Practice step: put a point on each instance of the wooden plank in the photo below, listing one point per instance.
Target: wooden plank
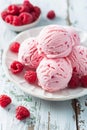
(82, 113)
(55, 116)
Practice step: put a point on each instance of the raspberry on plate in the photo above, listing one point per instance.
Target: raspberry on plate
(4, 14)
(4, 100)
(23, 8)
(16, 21)
(51, 14)
(9, 19)
(30, 76)
(16, 67)
(26, 18)
(13, 10)
(84, 81)
(22, 112)
(74, 82)
(14, 47)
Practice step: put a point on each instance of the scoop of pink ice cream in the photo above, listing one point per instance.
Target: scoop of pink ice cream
(28, 54)
(78, 59)
(74, 35)
(54, 74)
(54, 41)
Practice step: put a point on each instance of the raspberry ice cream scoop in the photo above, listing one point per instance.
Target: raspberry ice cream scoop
(28, 54)
(74, 35)
(54, 74)
(78, 59)
(54, 41)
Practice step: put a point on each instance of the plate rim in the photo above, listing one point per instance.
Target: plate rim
(83, 93)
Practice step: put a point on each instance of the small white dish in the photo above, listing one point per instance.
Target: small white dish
(36, 91)
(23, 27)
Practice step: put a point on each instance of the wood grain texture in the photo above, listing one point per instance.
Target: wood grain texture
(82, 112)
(55, 115)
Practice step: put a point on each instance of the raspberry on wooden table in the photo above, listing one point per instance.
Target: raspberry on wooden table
(84, 81)
(22, 113)
(16, 67)
(30, 76)
(14, 47)
(51, 14)
(4, 100)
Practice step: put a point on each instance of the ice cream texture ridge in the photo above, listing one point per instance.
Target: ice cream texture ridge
(55, 54)
(28, 53)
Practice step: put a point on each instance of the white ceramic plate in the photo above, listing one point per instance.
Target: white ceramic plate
(62, 95)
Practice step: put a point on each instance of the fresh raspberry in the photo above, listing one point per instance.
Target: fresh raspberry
(84, 81)
(37, 10)
(51, 14)
(36, 13)
(22, 112)
(23, 8)
(4, 14)
(16, 21)
(74, 82)
(13, 10)
(4, 100)
(16, 67)
(30, 76)
(29, 5)
(34, 16)
(9, 19)
(26, 18)
(14, 47)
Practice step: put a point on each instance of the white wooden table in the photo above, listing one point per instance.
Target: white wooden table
(67, 115)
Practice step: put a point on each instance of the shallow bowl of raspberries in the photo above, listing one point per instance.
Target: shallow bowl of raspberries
(20, 17)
